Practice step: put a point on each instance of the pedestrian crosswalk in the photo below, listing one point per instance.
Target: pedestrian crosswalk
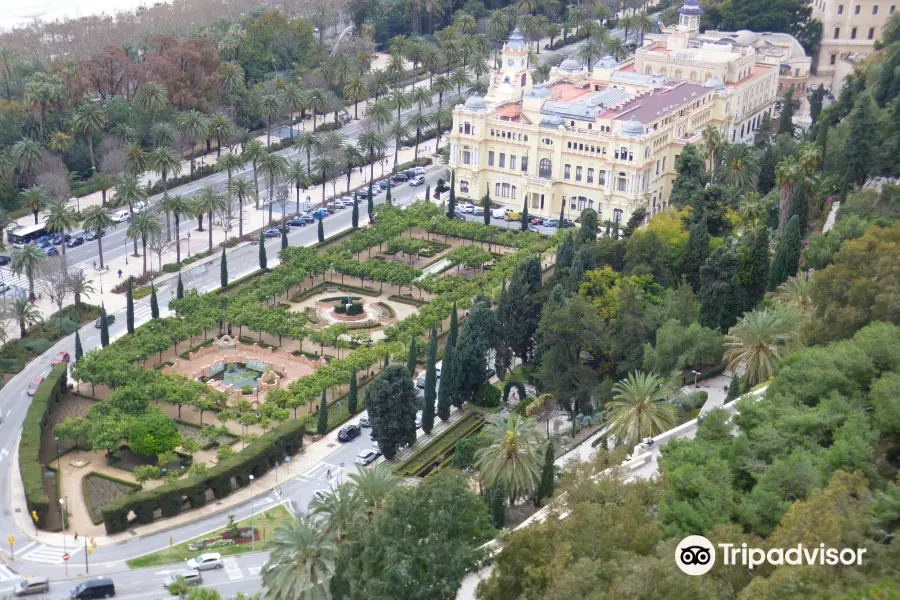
(232, 570)
(7, 574)
(48, 554)
(321, 471)
(11, 279)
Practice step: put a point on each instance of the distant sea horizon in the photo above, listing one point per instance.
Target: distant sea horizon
(24, 12)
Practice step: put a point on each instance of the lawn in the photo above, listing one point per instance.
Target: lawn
(439, 449)
(266, 522)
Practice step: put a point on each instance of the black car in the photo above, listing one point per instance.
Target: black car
(4, 259)
(92, 235)
(296, 222)
(272, 233)
(348, 432)
(400, 177)
(110, 319)
(101, 587)
(76, 241)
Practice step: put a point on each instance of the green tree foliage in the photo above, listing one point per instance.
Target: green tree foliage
(448, 381)
(787, 257)
(153, 433)
(429, 409)
(476, 338)
(720, 293)
(588, 230)
(272, 41)
(451, 204)
(634, 221)
(223, 269)
(262, 252)
(691, 178)
(754, 274)
(391, 402)
(129, 307)
(696, 253)
(321, 230)
(352, 395)
(786, 120)
(495, 497)
(548, 475)
(486, 207)
(322, 423)
(354, 218)
(679, 347)
(79, 351)
(104, 328)
(154, 302)
(859, 158)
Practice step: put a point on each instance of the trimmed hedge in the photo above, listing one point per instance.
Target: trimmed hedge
(87, 497)
(226, 476)
(440, 447)
(322, 287)
(407, 300)
(45, 399)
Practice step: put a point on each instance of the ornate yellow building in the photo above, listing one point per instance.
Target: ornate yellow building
(608, 138)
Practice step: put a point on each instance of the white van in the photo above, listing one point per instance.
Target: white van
(437, 367)
(498, 213)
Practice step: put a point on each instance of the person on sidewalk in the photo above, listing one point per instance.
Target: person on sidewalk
(76, 536)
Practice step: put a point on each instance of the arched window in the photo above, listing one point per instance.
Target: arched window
(545, 169)
(677, 73)
(693, 75)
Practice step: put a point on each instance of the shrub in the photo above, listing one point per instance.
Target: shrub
(247, 390)
(488, 396)
(45, 398)
(356, 308)
(230, 472)
(36, 345)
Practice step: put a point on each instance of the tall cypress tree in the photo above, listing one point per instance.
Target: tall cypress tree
(786, 122)
(562, 215)
(496, 501)
(354, 217)
(525, 219)
(179, 289)
(451, 205)
(720, 290)
(284, 240)
(388, 198)
(104, 327)
(545, 487)
(79, 351)
(565, 253)
(608, 228)
(486, 205)
(223, 269)
(859, 156)
(321, 230)
(322, 425)
(352, 395)
(787, 257)
(757, 269)
(129, 306)
(428, 192)
(445, 392)
(411, 357)
(154, 303)
(387, 360)
(454, 327)
(696, 253)
(428, 411)
(262, 252)
(370, 204)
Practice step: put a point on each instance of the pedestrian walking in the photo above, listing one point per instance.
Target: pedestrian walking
(120, 273)
(76, 536)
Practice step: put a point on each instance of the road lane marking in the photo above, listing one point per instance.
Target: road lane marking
(3, 454)
(232, 569)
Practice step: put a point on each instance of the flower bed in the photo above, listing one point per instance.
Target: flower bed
(229, 537)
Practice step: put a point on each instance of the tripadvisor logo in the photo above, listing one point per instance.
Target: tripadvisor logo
(696, 555)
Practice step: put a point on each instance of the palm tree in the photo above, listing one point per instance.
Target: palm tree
(298, 175)
(179, 207)
(165, 162)
(758, 341)
(419, 121)
(269, 105)
(752, 209)
(380, 113)
(26, 155)
(740, 167)
(441, 118)
(144, 225)
(104, 183)
(252, 151)
(352, 157)
(240, 188)
(639, 409)
(80, 286)
(431, 61)
(25, 314)
(293, 99)
(60, 218)
(399, 100)
(355, 91)
(162, 134)
(152, 97)
(513, 457)
(34, 198)
(193, 128)
(26, 261)
(124, 132)
(99, 219)
(340, 508)
(60, 142)
(209, 202)
(460, 78)
(274, 167)
(616, 48)
(219, 127)
(642, 24)
(135, 159)
(231, 79)
(372, 144)
(89, 118)
(399, 131)
(713, 144)
(796, 292)
(129, 192)
(317, 103)
(441, 85)
(302, 562)
(373, 485)
(788, 173)
(307, 141)
(324, 169)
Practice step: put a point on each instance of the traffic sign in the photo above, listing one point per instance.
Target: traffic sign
(66, 556)
(11, 539)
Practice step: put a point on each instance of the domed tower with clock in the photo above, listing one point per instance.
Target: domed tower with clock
(513, 77)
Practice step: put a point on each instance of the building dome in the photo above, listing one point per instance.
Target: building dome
(714, 82)
(538, 91)
(632, 128)
(516, 41)
(551, 121)
(691, 7)
(607, 62)
(570, 65)
(476, 103)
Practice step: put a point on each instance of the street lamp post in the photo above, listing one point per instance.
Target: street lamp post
(696, 373)
(287, 459)
(189, 243)
(276, 472)
(63, 508)
(252, 514)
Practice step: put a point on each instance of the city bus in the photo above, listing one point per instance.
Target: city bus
(25, 234)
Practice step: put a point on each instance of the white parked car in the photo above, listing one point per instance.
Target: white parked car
(466, 208)
(364, 420)
(190, 577)
(417, 180)
(366, 456)
(419, 170)
(120, 216)
(204, 562)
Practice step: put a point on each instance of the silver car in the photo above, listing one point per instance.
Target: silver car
(204, 562)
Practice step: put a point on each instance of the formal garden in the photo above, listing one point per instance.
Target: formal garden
(181, 411)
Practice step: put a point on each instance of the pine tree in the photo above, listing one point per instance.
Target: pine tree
(354, 218)
(451, 205)
(388, 197)
(262, 252)
(352, 395)
(284, 240)
(767, 171)
(129, 307)
(787, 257)
(496, 499)
(321, 230)
(696, 253)
(428, 411)
(223, 269)
(486, 205)
(525, 218)
(154, 303)
(634, 222)
(720, 291)
(79, 351)
(548, 474)
(411, 358)
(322, 425)
(370, 207)
(104, 327)
(815, 103)
(179, 289)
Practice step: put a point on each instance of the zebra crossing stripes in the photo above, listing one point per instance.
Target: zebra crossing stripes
(320, 471)
(49, 554)
(6, 573)
(232, 570)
